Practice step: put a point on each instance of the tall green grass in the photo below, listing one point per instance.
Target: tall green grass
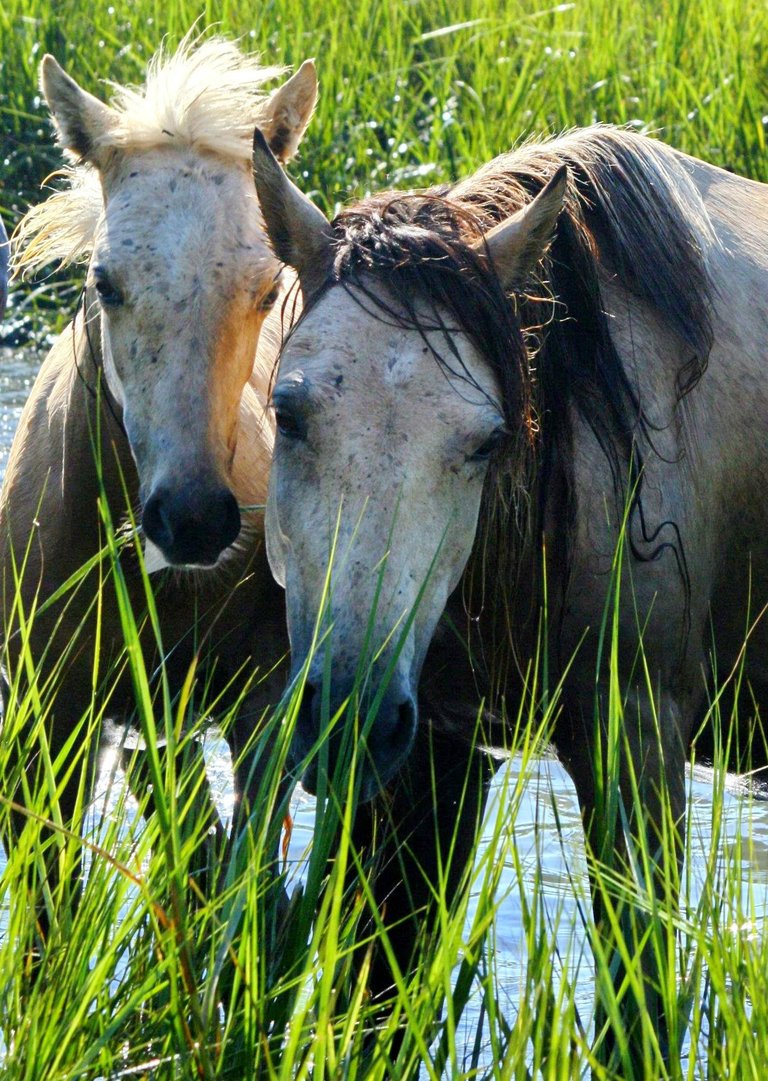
(165, 971)
(413, 92)
(423, 91)
(131, 980)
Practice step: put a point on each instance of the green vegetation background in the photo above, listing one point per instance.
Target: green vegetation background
(421, 91)
(413, 92)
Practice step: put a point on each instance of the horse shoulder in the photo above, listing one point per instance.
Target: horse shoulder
(672, 447)
(51, 463)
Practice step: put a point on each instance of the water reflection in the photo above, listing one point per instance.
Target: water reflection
(18, 368)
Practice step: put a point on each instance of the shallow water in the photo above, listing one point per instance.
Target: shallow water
(547, 836)
(18, 368)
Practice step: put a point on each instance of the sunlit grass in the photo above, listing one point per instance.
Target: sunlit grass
(160, 971)
(154, 974)
(415, 93)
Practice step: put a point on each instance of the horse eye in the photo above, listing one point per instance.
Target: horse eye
(290, 425)
(268, 301)
(108, 293)
(491, 444)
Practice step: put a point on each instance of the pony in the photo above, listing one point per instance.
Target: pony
(151, 404)
(559, 356)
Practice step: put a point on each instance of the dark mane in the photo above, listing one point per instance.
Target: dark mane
(631, 210)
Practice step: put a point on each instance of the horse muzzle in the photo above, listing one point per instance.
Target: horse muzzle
(386, 737)
(191, 524)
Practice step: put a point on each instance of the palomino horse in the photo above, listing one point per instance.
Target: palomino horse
(154, 398)
(420, 441)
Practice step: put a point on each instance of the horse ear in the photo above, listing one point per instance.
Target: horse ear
(80, 118)
(299, 232)
(516, 245)
(289, 110)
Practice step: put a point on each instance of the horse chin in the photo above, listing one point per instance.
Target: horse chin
(155, 560)
(371, 784)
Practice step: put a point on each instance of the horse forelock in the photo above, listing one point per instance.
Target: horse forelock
(206, 97)
(415, 260)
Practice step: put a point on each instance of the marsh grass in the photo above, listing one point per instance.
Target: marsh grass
(153, 974)
(422, 92)
(159, 973)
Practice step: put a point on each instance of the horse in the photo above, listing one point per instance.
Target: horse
(511, 408)
(151, 403)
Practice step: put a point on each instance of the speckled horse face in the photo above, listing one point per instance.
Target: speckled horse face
(184, 278)
(390, 399)
(378, 472)
(181, 271)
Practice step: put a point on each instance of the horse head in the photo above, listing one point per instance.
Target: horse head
(400, 384)
(181, 275)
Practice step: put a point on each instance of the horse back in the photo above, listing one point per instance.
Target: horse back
(695, 562)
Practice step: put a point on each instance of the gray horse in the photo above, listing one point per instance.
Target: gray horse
(425, 444)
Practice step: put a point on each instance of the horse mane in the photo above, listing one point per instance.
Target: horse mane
(631, 210)
(206, 96)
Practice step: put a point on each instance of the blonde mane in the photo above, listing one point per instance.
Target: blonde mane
(206, 97)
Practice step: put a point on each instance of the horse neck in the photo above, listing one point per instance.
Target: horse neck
(86, 389)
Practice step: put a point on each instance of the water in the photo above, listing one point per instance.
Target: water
(548, 836)
(17, 373)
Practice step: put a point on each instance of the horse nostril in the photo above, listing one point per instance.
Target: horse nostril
(392, 734)
(389, 744)
(155, 521)
(229, 518)
(404, 729)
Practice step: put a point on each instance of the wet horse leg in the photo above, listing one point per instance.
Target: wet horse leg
(633, 806)
(256, 786)
(260, 802)
(261, 657)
